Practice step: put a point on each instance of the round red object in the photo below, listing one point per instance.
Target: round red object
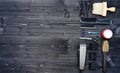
(107, 34)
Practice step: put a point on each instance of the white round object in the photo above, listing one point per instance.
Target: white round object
(107, 33)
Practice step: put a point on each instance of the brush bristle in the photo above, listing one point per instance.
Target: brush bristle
(105, 46)
(97, 8)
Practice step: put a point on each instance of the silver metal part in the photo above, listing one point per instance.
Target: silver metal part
(82, 56)
(85, 38)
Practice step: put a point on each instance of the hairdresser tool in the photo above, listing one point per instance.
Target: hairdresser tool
(101, 9)
(82, 56)
(106, 35)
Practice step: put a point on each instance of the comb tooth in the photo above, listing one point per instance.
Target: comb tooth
(105, 46)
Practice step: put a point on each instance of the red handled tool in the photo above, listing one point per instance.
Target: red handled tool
(106, 35)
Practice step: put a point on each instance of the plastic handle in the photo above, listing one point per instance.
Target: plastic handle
(82, 56)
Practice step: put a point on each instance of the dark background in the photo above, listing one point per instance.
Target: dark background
(38, 38)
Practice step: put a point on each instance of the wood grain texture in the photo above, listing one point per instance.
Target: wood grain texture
(38, 39)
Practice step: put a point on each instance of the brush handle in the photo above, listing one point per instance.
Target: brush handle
(112, 9)
(104, 62)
